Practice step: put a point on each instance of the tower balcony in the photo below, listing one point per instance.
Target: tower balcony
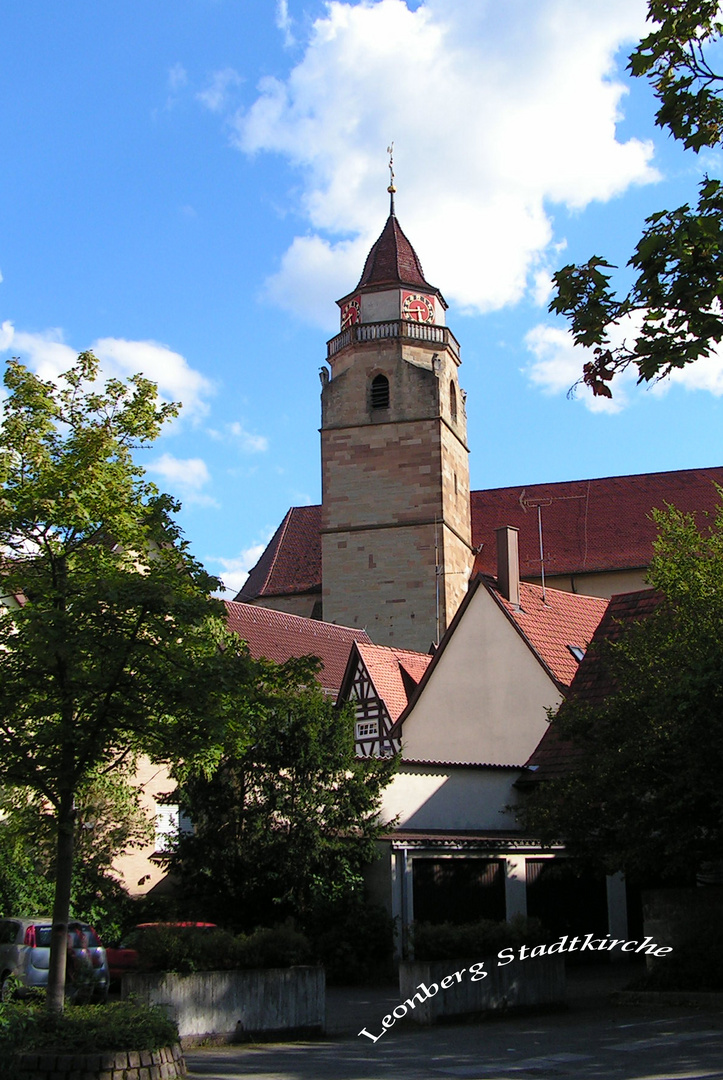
(395, 328)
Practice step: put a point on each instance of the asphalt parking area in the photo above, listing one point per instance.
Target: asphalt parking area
(604, 1043)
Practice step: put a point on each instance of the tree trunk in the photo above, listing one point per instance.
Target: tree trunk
(61, 906)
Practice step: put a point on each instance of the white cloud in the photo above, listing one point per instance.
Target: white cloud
(284, 22)
(254, 444)
(559, 362)
(236, 432)
(703, 374)
(235, 571)
(7, 334)
(177, 380)
(216, 95)
(177, 77)
(498, 111)
(186, 476)
(49, 356)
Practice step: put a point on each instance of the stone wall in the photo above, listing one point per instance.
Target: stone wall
(165, 1064)
(395, 494)
(440, 989)
(236, 1003)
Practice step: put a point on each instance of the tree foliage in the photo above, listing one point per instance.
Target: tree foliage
(109, 821)
(644, 796)
(673, 313)
(285, 816)
(109, 641)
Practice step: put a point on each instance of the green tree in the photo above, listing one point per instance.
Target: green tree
(644, 795)
(109, 821)
(286, 816)
(673, 313)
(108, 639)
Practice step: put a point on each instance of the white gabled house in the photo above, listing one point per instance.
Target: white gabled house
(467, 720)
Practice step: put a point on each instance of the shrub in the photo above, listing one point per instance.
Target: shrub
(187, 949)
(354, 940)
(281, 946)
(124, 1025)
(697, 964)
(449, 941)
(184, 949)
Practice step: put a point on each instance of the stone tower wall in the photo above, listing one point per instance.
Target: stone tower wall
(395, 493)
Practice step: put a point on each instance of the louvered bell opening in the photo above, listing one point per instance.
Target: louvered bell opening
(380, 392)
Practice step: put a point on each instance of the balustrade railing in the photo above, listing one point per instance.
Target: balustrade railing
(395, 328)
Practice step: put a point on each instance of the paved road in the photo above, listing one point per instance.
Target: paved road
(606, 1043)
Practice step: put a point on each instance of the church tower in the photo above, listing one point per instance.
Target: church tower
(395, 521)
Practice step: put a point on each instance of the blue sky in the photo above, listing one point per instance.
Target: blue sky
(189, 185)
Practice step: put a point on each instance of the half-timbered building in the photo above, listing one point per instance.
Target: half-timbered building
(380, 682)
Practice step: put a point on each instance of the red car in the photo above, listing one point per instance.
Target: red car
(125, 957)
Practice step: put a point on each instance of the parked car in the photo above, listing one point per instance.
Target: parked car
(25, 959)
(125, 958)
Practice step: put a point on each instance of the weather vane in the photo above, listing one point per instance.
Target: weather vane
(391, 189)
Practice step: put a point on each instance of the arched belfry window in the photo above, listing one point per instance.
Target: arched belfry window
(380, 392)
(452, 402)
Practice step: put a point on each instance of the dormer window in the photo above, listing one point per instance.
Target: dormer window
(453, 402)
(380, 392)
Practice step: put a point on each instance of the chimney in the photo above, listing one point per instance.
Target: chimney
(508, 564)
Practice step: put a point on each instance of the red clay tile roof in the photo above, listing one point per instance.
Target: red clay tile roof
(393, 261)
(588, 525)
(386, 666)
(554, 755)
(291, 563)
(550, 626)
(278, 636)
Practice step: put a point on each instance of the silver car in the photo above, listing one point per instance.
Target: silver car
(25, 959)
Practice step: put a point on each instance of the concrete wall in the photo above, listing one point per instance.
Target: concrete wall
(485, 700)
(441, 797)
(519, 984)
(298, 604)
(136, 869)
(605, 584)
(236, 1002)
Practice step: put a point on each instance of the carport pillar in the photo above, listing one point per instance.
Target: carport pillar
(402, 901)
(617, 910)
(515, 886)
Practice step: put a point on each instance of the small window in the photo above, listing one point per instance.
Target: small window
(577, 652)
(171, 821)
(453, 402)
(367, 729)
(380, 392)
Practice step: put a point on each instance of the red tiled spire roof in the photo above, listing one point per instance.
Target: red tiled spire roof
(554, 756)
(277, 636)
(393, 261)
(588, 525)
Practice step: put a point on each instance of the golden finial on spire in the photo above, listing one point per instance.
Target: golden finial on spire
(391, 189)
